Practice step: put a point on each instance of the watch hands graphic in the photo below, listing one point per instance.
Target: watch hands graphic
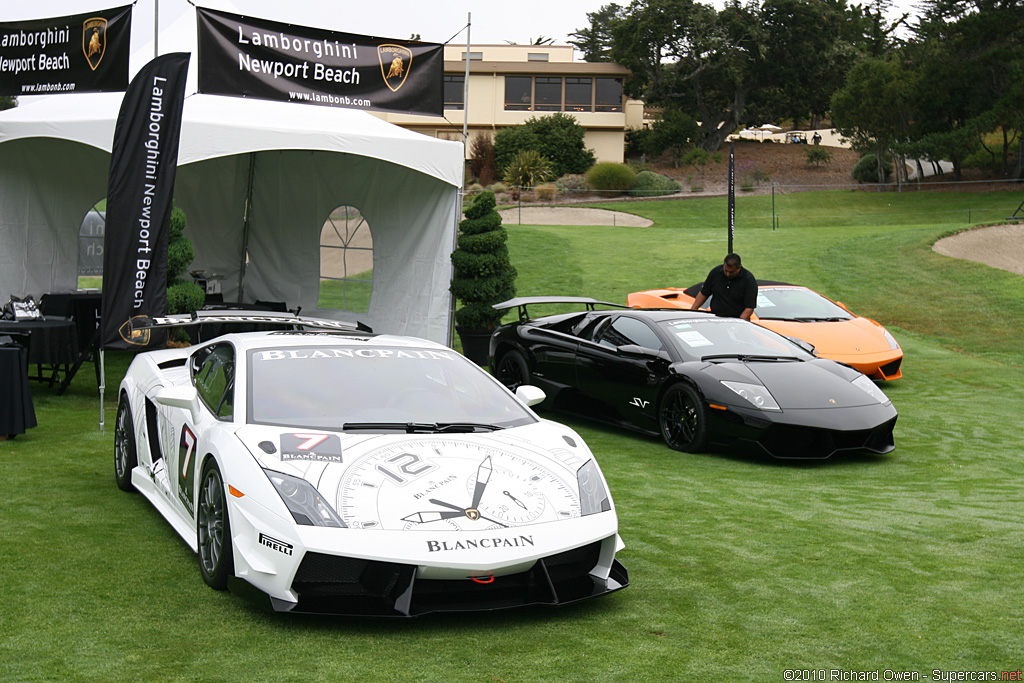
(515, 500)
(483, 475)
(472, 513)
(409, 484)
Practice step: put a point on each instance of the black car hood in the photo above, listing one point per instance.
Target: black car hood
(797, 385)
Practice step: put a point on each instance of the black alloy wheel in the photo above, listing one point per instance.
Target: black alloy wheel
(683, 419)
(513, 371)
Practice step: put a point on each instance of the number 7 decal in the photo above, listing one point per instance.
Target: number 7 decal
(311, 441)
(187, 447)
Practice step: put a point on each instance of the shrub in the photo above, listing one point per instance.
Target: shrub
(482, 273)
(497, 188)
(650, 184)
(546, 192)
(611, 177)
(557, 137)
(482, 163)
(816, 156)
(184, 296)
(527, 168)
(866, 170)
(180, 252)
(572, 183)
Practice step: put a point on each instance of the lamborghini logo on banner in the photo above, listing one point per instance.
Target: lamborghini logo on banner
(94, 40)
(134, 337)
(395, 62)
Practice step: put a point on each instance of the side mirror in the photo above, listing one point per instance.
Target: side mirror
(806, 346)
(186, 398)
(530, 395)
(635, 350)
(842, 306)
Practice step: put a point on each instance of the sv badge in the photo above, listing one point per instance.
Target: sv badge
(639, 402)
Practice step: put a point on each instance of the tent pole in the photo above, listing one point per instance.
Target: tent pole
(462, 188)
(465, 85)
(156, 28)
(245, 224)
(103, 385)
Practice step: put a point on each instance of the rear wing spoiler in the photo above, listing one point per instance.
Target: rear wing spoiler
(143, 322)
(521, 302)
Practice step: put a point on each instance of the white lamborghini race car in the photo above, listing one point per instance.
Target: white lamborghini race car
(336, 471)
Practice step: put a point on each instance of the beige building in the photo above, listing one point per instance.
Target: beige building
(509, 84)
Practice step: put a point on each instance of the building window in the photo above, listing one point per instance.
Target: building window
(518, 93)
(578, 94)
(454, 89)
(473, 56)
(608, 94)
(547, 94)
(537, 56)
(555, 93)
(346, 261)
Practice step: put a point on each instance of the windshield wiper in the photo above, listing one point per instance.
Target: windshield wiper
(805, 320)
(746, 357)
(422, 427)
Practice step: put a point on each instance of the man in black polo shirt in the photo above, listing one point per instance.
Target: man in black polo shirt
(734, 290)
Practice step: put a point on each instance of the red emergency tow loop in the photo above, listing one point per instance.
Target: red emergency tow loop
(482, 579)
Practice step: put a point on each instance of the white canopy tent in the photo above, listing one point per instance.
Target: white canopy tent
(296, 162)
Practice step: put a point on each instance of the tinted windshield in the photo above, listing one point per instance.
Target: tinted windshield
(327, 387)
(698, 338)
(789, 303)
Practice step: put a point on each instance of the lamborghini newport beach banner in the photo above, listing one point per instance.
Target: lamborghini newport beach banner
(78, 53)
(247, 57)
(143, 162)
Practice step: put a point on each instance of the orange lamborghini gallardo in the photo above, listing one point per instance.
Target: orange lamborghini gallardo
(796, 311)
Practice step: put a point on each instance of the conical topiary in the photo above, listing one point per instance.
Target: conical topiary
(482, 272)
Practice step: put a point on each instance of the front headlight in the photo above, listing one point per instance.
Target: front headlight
(891, 339)
(865, 384)
(593, 494)
(755, 393)
(305, 503)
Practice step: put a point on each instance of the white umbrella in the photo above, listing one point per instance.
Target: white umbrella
(767, 128)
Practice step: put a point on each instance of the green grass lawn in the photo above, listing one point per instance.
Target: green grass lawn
(741, 568)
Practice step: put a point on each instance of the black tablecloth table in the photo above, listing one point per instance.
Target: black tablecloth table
(54, 343)
(17, 413)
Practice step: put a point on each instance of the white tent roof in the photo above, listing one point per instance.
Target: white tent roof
(215, 126)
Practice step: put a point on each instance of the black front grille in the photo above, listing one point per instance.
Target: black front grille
(344, 585)
(807, 443)
(890, 369)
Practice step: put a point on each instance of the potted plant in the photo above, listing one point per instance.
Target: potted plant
(482, 275)
(183, 296)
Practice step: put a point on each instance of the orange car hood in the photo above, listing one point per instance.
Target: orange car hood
(840, 338)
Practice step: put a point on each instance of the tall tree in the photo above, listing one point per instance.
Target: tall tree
(596, 42)
(875, 107)
(688, 54)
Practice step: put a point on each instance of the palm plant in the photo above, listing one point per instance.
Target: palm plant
(527, 169)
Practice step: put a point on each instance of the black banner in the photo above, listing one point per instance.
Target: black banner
(143, 162)
(246, 57)
(78, 53)
(732, 193)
